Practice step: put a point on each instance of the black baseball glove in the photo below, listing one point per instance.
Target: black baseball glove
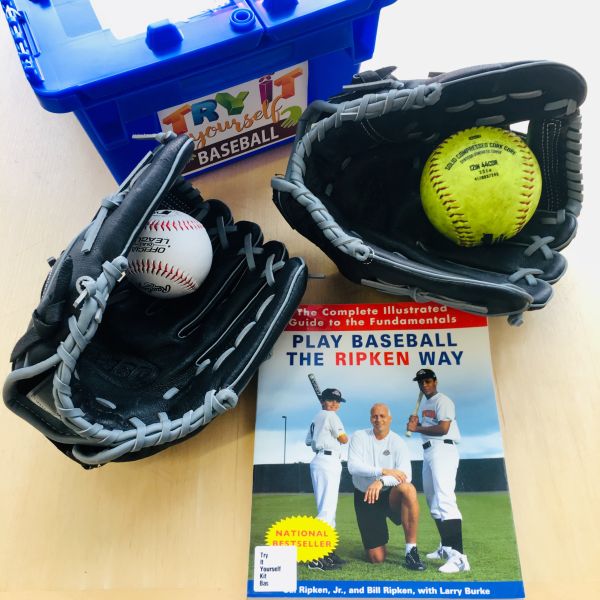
(352, 183)
(108, 373)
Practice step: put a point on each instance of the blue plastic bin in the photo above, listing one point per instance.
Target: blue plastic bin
(233, 75)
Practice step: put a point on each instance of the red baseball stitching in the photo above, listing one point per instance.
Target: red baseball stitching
(165, 270)
(175, 225)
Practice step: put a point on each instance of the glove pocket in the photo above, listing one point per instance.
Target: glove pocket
(255, 315)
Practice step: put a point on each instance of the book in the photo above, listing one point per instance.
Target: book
(342, 491)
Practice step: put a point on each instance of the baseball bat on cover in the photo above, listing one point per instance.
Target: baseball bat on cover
(313, 381)
(415, 413)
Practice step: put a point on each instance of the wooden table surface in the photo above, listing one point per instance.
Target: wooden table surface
(177, 525)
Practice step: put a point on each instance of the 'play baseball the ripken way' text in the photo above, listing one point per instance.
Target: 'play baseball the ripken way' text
(366, 349)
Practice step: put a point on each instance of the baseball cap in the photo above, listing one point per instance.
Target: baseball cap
(424, 374)
(332, 394)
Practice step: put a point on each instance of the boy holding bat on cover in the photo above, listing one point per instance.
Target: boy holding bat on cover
(326, 436)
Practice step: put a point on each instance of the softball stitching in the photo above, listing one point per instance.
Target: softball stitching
(449, 202)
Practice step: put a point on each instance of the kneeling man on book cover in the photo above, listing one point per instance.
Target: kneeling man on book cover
(379, 462)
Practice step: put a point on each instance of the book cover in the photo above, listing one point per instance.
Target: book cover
(378, 459)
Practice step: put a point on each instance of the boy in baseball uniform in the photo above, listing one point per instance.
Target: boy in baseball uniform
(326, 436)
(440, 436)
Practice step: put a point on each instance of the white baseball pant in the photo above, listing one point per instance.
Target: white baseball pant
(326, 472)
(440, 464)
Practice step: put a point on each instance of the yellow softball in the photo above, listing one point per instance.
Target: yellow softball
(480, 186)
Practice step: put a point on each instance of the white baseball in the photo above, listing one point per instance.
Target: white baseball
(171, 257)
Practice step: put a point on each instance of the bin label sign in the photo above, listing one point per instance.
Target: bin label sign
(241, 119)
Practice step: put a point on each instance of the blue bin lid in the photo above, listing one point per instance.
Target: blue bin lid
(77, 53)
(73, 53)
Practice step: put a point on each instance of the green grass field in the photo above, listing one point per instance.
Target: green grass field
(488, 537)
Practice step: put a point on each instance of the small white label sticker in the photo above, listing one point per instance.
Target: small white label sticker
(41, 395)
(275, 569)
